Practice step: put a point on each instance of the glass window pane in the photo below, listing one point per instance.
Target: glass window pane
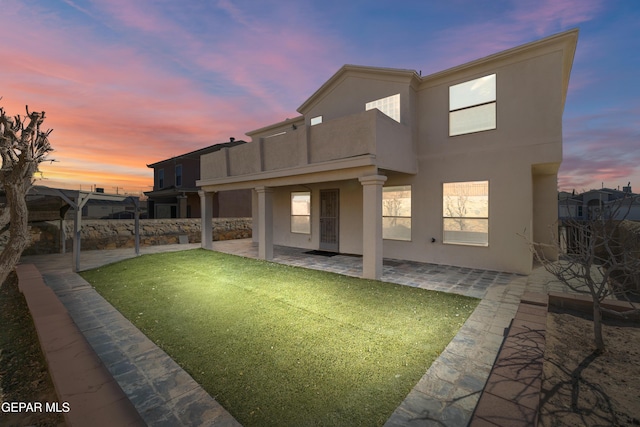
(301, 203)
(473, 92)
(465, 199)
(465, 211)
(396, 201)
(474, 119)
(389, 106)
(396, 228)
(466, 231)
(316, 120)
(301, 224)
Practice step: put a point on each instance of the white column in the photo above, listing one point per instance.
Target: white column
(265, 223)
(372, 226)
(206, 221)
(254, 216)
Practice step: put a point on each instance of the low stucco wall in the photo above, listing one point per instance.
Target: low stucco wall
(111, 234)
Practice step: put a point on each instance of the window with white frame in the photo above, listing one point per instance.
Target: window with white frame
(396, 212)
(178, 175)
(472, 106)
(389, 106)
(465, 212)
(316, 120)
(301, 212)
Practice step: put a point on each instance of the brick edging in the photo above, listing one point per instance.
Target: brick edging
(511, 396)
(80, 378)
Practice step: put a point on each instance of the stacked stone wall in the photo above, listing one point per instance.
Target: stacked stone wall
(120, 233)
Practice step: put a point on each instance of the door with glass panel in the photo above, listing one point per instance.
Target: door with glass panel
(329, 220)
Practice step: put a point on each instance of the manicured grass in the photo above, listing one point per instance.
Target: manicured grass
(279, 345)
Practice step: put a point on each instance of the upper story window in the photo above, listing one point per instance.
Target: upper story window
(178, 175)
(389, 106)
(161, 178)
(396, 212)
(316, 120)
(472, 106)
(301, 212)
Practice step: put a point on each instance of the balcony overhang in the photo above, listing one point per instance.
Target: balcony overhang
(335, 170)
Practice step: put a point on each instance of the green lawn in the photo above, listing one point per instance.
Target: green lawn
(285, 346)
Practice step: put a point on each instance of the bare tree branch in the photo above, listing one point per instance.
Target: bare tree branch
(602, 259)
(22, 149)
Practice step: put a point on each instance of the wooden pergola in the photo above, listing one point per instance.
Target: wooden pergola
(77, 199)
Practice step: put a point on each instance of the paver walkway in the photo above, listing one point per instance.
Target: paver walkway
(160, 390)
(446, 395)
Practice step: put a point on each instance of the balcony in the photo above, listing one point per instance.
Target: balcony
(369, 137)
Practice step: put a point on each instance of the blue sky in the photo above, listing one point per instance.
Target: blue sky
(127, 83)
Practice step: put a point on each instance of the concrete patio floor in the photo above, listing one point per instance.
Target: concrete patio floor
(446, 395)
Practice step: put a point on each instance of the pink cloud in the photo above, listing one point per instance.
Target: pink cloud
(598, 149)
(548, 16)
(464, 43)
(114, 107)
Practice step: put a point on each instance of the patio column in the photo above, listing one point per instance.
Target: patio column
(182, 205)
(265, 222)
(206, 221)
(372, 225)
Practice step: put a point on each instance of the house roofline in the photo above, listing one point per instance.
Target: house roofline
(298, 121)
(353, 69)
(201, 151)
(567, 41)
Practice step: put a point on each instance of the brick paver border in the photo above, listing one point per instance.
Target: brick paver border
(79, 377)
(511, 396)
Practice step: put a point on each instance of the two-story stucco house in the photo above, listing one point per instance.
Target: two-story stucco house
(458, 167)
(175, 194)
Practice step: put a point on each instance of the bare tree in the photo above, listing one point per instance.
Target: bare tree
(23, 146)
(601, 258)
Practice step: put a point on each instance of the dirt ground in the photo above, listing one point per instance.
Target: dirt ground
(582, 388)
(23, 371)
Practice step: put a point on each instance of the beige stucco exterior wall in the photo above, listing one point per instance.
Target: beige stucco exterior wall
(350, 232)
(519, 159)
(529, 131)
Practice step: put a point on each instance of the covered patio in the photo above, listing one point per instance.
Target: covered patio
(459, 280)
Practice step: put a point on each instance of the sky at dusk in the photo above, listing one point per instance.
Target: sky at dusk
(128, 83)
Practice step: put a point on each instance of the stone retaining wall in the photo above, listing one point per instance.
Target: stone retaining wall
(119, 233)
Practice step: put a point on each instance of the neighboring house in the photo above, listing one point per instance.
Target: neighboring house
(175, 194)
(622, 204)
(458, 167)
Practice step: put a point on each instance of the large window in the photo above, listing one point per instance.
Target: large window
(472, 106)
(389, 106)
(301, 212)
(465, 211)
(396, 212)
(178, 175)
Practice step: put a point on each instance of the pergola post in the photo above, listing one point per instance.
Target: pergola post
(136, 220)
(81, 200)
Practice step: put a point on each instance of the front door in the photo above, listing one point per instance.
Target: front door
(329, 219)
